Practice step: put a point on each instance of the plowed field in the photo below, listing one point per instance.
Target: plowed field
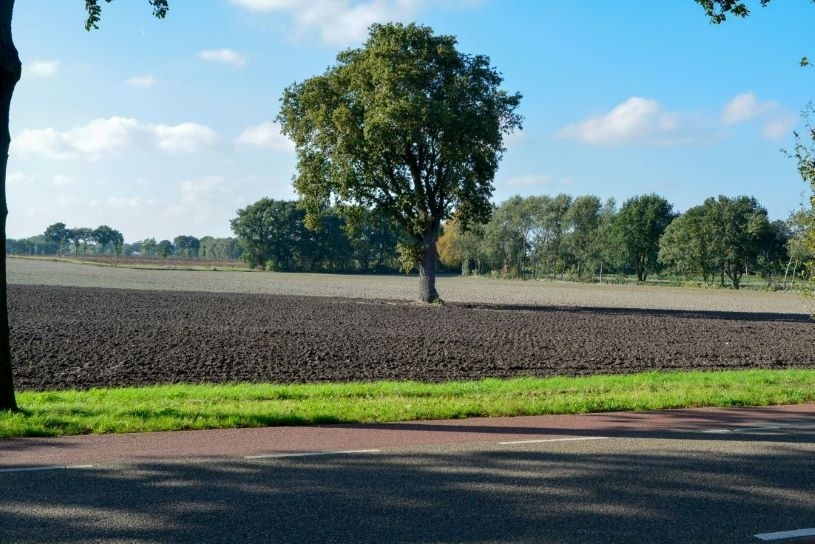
(81, 337)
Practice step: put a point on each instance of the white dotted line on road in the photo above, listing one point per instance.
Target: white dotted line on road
(308, 454)
(545, 440)
(771, 427)
(44, 468)
(788, 427)
(783, 535)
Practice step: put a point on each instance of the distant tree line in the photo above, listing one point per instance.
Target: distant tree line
(58, 239)
(559, 236)
(106, 241)
(272, 234)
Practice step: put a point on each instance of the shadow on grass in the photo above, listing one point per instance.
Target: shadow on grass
(652, 491)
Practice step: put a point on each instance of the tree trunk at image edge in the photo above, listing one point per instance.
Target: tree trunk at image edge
(427, 268)
(10, 69)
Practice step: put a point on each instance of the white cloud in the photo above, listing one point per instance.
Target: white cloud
(112, 136)
(265, 135)
(144, 82)
(338, 21)
(183, 138)
(226, 56)
(637, 120)
(199, 191)
(514, 138)
(61, 180)
(744, 107)
(779, 126)
(41, 68)
(18, 178)
(201, 202)
(135, 202)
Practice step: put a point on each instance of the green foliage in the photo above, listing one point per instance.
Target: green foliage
(636, 231)
(160, 9)
(409, 256)
(725, 236)
(802, 238)
(108, 240)
(405, 125)
(268, 232)
(718, 10)
(219, 249)
(804, 152)
(186, 246)
(58, 233)
(272, 234)
(164, 249)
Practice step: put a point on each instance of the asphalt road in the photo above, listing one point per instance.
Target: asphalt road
(687, 476)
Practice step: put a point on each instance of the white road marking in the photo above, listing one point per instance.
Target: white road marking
(786, 534)
(772, 427)
(544, 440)
(44, 468)
(308, 454)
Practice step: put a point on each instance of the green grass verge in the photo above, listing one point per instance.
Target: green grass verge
(177, 407)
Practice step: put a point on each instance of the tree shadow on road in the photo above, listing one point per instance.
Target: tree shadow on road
(616, 492)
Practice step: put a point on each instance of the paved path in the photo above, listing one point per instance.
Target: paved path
(707, 476)
(94, 449)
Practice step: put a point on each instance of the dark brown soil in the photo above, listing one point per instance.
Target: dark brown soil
(69, 337)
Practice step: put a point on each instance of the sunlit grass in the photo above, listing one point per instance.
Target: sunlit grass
(177, 407)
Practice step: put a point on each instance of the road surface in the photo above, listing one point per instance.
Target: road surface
(723, 476)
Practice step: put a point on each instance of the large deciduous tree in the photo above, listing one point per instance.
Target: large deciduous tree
(724, 236)
(637, 229)
(59, 234)
(269, 233)
(187, 245)
(107, 237)
(686, 245)
(10, 71)
(740, 223)
(406, 125)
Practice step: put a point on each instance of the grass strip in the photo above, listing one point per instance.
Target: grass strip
(182, 407)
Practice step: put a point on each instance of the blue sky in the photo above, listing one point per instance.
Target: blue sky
(162, 128)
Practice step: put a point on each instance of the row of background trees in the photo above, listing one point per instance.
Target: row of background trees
(106, 241)
(560, 237)
(564, 237)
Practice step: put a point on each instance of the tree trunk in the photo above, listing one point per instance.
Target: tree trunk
(427, 268)
(10, 70)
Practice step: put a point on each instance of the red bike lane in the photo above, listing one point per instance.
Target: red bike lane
(72, 451)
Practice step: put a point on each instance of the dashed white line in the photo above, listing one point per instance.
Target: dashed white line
(772, 427)
(308, 454)
(44, 468)
(783, 535)
(544, 440)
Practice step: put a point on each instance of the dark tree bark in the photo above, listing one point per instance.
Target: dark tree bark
(427, 268)
(10, 70)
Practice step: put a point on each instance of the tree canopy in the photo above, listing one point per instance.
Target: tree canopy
(718, 10)
(637, 229)
(406, 125)
(724, 236)
(160, 9)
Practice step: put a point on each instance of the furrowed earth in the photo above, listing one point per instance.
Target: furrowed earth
(81, 337)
